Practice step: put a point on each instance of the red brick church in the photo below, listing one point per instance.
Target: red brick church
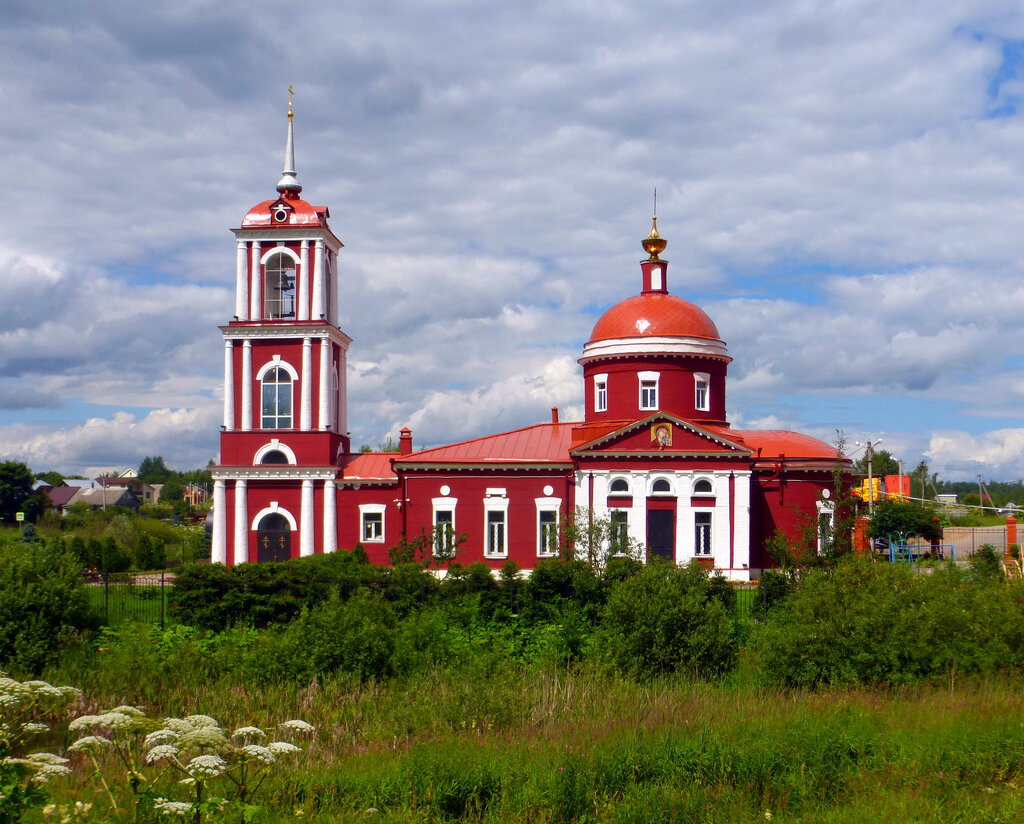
(654, 453)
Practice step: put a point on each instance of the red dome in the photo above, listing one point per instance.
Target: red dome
(297, 213)
(654, 315)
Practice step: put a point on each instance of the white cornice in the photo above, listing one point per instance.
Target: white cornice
(253, 330)
(665, 345)
(274, 472)
(274, 233)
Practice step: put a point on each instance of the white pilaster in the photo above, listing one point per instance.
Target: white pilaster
(229, 385)
(331, 287)
(342, 422)
(324, 418)
(241, 522)
(246, 385)
(306, 519)
(241, 283)
(330, 517)
(304, 281)
(306, 410)
(318, 282)
(256, 284)
(220, 517)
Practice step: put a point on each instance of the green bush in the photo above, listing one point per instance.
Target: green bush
(985, 564)
(772, 588)
(876, 623)
(666, 619)
(150, 553)
(114, 557)
(42, 604)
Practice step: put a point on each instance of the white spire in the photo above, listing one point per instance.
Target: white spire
(289, 182)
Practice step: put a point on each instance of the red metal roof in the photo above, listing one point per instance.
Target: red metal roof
(368, 466)
(302, 214)
(776, 442)
(656, 315)
(541, 443)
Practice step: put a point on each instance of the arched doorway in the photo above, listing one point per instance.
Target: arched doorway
(273, 539)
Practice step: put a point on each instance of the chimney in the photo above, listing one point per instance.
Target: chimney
(405, 441)
(554, 414)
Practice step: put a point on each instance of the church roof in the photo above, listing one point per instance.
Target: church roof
(541, 443)
(300, 213)
(368, 466)
(654, 315)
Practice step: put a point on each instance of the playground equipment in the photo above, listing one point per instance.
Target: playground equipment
(907, 546)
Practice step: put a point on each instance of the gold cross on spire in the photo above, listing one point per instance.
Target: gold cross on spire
(290, 93)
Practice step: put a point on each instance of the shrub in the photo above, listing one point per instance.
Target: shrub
(114, 557)
(666, 619)
(772, 588)
(874, 623)
(985, 564)
(42, 604)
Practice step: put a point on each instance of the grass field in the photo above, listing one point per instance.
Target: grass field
(546, 746)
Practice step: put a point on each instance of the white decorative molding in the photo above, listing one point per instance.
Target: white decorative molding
(654, 345)
(273, 363)
(274, 509)
(274, 446)
(273, 250)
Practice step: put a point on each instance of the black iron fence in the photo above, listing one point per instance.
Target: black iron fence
(124, 596)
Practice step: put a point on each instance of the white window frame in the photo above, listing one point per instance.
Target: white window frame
(627, 491)
(707, 527)
(371, 509)
(496, 501)
(694, 491)
(645, 379)
(671, 486)
(601, 392)
(701, 391)
(825, 508)
(549, 506)
(622, 515)
(442, 505)
(294, 291)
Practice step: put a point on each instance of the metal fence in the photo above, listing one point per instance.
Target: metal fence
(117, 597)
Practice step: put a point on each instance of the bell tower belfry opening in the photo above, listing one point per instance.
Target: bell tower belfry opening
(285, 362)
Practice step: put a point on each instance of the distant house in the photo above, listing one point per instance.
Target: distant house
(107, 496)
(144, 492)
(946, 499)
(60, 496)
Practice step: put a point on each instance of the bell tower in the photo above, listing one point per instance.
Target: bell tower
(285, 421)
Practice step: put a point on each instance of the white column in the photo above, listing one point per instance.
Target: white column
(304, 282)
(246, 385)
(229, 385)
(242, 283)
(331, 289)
(342, 422)
(241, 522)
(220, 517)
(306, 520)
(324, 421)
(318, 282)
(330, 517)
(256, 281)
(306, 408)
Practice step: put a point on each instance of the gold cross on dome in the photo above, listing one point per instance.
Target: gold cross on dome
(290, 93)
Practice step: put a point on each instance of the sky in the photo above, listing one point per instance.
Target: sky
(841, 185)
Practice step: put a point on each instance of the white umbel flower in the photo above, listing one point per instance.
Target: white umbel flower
(48, 771)
(198, 721)
(158, 737)
(91, 743)
(262, 754)
(46, 758)
(248, 732)
(165, 807)
(206, 737)
(282, 747)
(35, 727)
(134, 712)
(206, 766)
(178, 725)
(298, 725)
(161, 752)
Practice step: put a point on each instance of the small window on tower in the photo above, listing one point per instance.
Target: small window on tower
(600, 393)
(648, 394)
(700, 400)
(279, 287)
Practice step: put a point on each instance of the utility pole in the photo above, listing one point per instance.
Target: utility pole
(870, 445)
(981, 497)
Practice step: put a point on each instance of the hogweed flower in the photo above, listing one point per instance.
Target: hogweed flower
(206, 766)
(198, 721)
(90, 743)
(165, 807)
(246, 733)
(45, 772)
(163, 736)
(262, 754)
(161, 752)
(282, 747)
(297, 725)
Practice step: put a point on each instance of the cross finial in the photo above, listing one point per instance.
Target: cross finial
(290, 115)
(655, 202)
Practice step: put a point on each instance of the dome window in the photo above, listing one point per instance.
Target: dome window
(280, 212)
(620, 485)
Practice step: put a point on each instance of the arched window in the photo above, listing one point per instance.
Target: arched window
(279, 287)
(661, 487)
(277, 399)
(620, 485)
(703, 487)
(274, 456)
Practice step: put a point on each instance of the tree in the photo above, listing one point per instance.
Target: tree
(895, 517)
(52, 477)
(153, 470)
(171, 491)
(882, 463)
(15, 487)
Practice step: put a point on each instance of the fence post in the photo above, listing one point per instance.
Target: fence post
(106, 598)
(161, 600)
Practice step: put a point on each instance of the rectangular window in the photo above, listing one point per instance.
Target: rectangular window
(824, 530)
(702, 533)
(496, 532)
(700, 400)
(648, 394)
(601, 393)
(547, 532)
(619, 532)
(444, 532)
(373, 527)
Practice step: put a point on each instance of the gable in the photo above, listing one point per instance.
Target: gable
(663, 434)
